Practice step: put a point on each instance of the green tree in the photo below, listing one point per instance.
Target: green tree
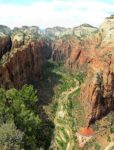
(20, 106)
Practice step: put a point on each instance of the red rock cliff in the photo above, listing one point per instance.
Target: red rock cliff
(92, 50)
(84, 48)
(23, 64)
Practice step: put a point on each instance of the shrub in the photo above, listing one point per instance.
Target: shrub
(112, 130)
(10, 137)
(97, 146)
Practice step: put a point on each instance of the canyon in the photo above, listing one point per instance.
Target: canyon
(90, 50)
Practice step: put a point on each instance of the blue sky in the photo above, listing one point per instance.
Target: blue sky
(17, 2)
(49, 13)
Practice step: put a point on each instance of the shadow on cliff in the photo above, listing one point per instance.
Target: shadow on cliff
(47, 83)
(45, 87)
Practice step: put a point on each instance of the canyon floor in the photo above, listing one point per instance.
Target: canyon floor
(60, 104)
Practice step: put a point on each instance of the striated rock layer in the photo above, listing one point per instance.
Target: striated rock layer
(5, 44)
(5, 40)
(23, 63)
(98, 91)
(83, 48)
(76, 49)
(91, 50)
(23, 66)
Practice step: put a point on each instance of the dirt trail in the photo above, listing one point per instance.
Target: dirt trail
(82, 140)
(111, 144)
(65, 96)
(68, 92)
(64, 134)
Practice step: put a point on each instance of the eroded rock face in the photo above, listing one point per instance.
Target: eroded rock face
(6, 30)
(91, 49)
(22, 36)
(97, 94)
(5, 40)
(76, 49)
(57, 32)
(107, 31)
(5, 44)
(23, 64)
(83, 48)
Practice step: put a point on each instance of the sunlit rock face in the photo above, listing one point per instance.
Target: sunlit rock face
(91, 50)
(6, 30)
(57, 32)
(22, 36)
(107, 31)
(98, 91)
(76, 48)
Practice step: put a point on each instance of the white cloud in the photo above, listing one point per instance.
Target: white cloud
(55, 13)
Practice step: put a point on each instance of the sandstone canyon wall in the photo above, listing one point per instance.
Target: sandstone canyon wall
(91, 50)
(98, 90)
(84, 48)
(23, 59)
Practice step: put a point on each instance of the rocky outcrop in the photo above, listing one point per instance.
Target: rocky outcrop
(23, 64)
(21, 36)
(76, 49)
(5, 40)
(6, 30)
(97, 94)
(57, 32)
(5, 44)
